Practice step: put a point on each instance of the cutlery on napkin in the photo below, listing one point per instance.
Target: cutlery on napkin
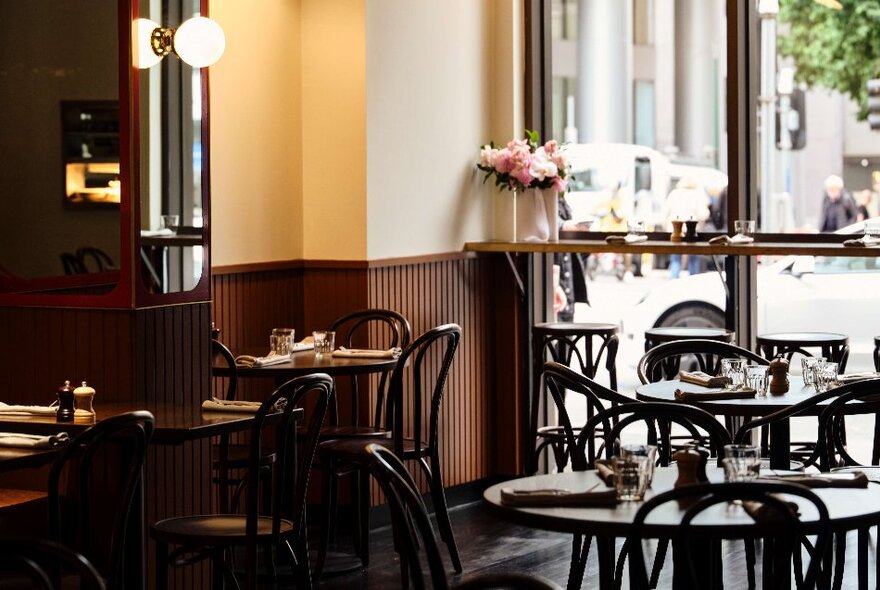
(33, 441)
(7, 409)
(391, 353)
(863, 242)
(850, 377)
(849, 479)
(767, 513)
(604, 471)
(307, 343)
(728, 240)
(695, 396)
(627, 239)
(215, 404)
(558, 497)
(701, 378)
(248, 361)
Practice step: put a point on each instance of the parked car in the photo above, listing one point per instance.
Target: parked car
(796, 293)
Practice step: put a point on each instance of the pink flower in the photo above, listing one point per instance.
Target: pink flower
(503, 161)
(551, 146)
(523, 175)
(542, 167)
(488, 156)
(559, 184)
(559, 159)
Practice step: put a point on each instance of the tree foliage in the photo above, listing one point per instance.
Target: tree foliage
(835, 49)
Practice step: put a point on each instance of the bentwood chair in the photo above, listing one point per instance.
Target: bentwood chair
(697, 543)
(45, 565)
(282, 523)
(82, 495)
(415, 398)
(664, 361)
(412, 531)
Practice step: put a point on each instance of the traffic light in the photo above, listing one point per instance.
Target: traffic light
(874, 104)
(797, 120)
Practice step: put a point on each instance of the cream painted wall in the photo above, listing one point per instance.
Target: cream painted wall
(256, 134)
(441, 81)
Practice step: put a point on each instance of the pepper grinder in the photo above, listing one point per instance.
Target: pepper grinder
(84, 396)
(65, 410)
(691, 465)
(690, 234)
(779, 376)
(675, 236)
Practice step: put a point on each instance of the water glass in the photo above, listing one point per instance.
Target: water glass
(744, 227)
(734, 370)
(281, 341)
(808, 369)
(757, 379)
(741, 462)
(630, 477)
(324, 342)
(636, 228)
(826, 376)
(637, 450)
(169, 222)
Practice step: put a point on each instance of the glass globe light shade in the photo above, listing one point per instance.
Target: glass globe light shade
(199, 42)
(144, 57)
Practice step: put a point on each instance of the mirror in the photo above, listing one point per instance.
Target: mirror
(60, 185)
(172, 208)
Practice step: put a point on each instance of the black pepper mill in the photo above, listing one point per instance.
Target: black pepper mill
(65, 411)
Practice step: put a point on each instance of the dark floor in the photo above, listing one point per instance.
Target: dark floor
(489, 545)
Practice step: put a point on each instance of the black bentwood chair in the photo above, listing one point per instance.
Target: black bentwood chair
(697, 549)
(413, 532)
(83, 494)
(418, 380)
(45, 565)
(282, 524)
(664, 361)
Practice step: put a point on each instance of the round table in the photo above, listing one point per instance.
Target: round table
(780, 431)
(849, 509)
(305, 363)
(655, 336)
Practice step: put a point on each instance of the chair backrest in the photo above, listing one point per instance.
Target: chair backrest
(664, 361)
(702, 426)
(559, 380)
(413, 531)
(101, 259)
(563, 348)
(370, 328)
(420, 378)
(39, 561)
(291, 480)
(218, 349)
(832, 447)
(94, 480)
(776, 520)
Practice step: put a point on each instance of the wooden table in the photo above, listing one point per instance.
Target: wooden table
(14, 458)
(780, 431)
(305, 363)
(849, 509)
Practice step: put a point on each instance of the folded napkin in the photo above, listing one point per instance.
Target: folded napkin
(696, 396)
(391, 353)
(307, 343)
(604, 471)
(261, 361)
(728, 240)
(864, 242)
(33, 441)
(156, 233)
(767, 513)
(871, 472)
(701, 378)
(554, 497)
(10, 410)
(850, 377)
(627, 239)
(221, 405)
(850, 479)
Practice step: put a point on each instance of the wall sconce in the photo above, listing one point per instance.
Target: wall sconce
(199, 42)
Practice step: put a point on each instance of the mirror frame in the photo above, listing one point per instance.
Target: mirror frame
(129, 291)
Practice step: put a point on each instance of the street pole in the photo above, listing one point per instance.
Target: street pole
(768, 10)
(785, 89)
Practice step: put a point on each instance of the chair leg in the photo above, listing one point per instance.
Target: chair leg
(362, 502)
(441, 510)
(839, 560)
(161, 566)
(580, 550)
(218, 569)
(328, 491)
(659, 560)
(300, 560)
(751, 561)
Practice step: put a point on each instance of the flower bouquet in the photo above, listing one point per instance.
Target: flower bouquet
(536, 171)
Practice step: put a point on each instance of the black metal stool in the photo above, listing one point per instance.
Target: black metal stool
(560, 341)
(834, 347)
(655, 336)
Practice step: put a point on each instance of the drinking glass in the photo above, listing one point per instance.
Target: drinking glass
(637, 450)
(757, 379)
(281, 341)
(826, 376)
(169, 222)
(734, 370)
(630, 477)
(324, 342)
(808, 369)
(636, 228)
(872, 228)
(744, 227)
(741, 462)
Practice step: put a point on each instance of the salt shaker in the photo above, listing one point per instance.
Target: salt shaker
(691, 465)
(690, 234)
(84, 395)
(675, 236)
(65, 410)
(779, 376)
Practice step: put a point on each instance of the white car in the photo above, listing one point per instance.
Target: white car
(796, 293)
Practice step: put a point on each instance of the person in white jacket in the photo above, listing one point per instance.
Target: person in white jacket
(687, 201)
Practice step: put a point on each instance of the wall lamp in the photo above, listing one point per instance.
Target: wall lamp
(199, 42)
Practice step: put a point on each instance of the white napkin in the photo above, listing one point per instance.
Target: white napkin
(727, 240)
(391, 353)
(156, 233)
(6, 409)
(221, 405)
(865, 242)
(627, 239)
(17, 439)
(261, 361)
(850, 377)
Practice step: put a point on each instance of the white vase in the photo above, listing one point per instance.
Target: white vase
(551, 205)
(533, 224)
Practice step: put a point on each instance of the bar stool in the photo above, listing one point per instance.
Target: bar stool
(834, 347)
(560, 341)
(877, 353)
(655, 336)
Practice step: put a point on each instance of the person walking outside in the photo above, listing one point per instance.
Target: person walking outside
(838, 207)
